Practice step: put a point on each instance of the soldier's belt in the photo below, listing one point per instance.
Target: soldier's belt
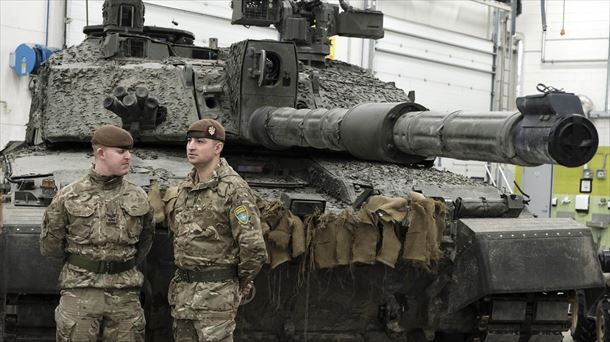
(102, 267)
(210, 273)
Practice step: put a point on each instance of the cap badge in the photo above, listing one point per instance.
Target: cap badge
(211, 130)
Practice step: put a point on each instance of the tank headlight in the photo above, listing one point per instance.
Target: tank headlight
(303, 204)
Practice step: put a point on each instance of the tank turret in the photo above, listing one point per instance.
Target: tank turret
(262, 93)
(263, 82)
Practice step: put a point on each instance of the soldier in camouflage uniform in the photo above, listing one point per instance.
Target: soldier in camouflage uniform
(218, 242)
(97, 230)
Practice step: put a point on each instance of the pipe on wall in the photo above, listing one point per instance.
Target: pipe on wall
(65, 45)
(519, 42)
(608, 72)
(370, 4)
(513, 17)
(46, 32)
(543, 14)
(494, 65)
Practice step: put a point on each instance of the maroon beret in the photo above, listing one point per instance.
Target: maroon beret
(112, 136)
(207, 128)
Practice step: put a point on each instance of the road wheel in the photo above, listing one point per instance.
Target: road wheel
(582, 327)
(602, 320)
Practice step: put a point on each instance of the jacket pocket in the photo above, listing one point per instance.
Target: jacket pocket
(81, 219)
(134, 212)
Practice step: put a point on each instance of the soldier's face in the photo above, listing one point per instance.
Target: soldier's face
(116, 160)
(201, 151)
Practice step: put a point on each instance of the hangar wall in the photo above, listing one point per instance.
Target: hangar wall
(23, 22)
(578, 62)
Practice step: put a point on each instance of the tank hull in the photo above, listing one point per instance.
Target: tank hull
(484, 260)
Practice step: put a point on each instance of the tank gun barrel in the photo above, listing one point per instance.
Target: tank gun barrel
(548, 129)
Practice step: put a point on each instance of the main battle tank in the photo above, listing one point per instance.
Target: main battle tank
(367, 242)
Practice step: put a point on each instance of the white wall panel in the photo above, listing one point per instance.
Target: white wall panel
(78, 16)
(586, 38)
(22, 22)
(581, 49)
(455, 36)
(13, 87)
(445, 88)
(447, 70)
(466, 17)
(586, 31)
(603, 128)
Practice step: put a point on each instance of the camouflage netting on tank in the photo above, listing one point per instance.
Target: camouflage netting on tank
(378, 232)
(78, 91)
(217, 106)
(344, 85)
(234, 60)
(79, 80)
(392, 179)
(305, 98)
(87, 52)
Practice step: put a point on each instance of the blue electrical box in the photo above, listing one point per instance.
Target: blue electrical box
(27, 58)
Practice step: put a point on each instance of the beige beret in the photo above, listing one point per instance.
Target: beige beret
(207, 128)
(112, 136)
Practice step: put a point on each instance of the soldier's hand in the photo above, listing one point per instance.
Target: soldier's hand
(244, 292)
(247, 293)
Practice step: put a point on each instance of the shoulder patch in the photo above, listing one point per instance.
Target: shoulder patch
(242, 214)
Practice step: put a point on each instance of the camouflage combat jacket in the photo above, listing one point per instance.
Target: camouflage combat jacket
(101, 218)
(215, 222)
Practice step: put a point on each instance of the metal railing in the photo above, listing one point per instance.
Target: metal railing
(500, 176)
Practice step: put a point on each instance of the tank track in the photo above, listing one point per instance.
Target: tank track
(521, 317)
(583, 327)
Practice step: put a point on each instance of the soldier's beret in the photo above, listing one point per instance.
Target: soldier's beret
(112, 136)
(206, 128)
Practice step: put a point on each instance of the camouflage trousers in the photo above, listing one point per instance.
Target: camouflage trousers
(83, 313)
(203, 330)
